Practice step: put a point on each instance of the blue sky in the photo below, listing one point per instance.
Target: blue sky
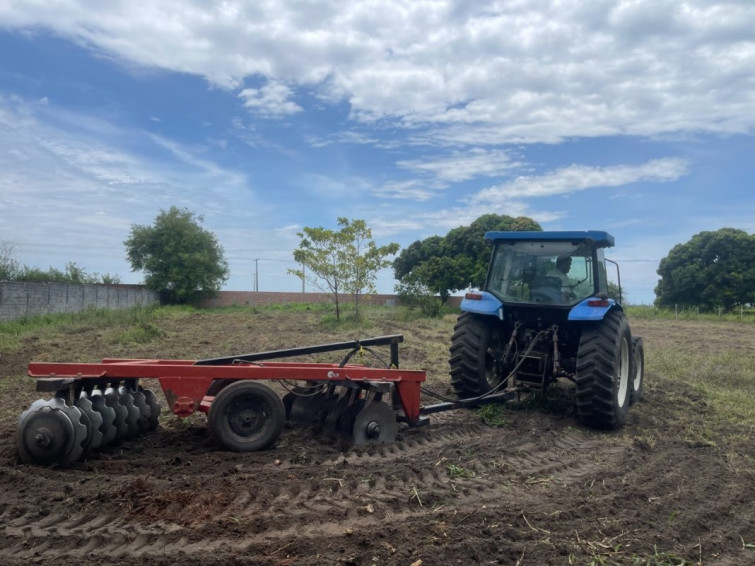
(635, 117)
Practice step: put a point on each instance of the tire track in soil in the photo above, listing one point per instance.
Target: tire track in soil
(360, 489)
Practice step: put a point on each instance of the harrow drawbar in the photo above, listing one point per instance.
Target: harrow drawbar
(96, 404)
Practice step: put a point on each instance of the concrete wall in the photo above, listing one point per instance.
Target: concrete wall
(230, 298)
(21, 298)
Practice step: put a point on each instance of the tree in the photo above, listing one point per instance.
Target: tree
(341, 261)
(366, 258)
(12, 270)
(73, 275)
(445, 264)
(711, 270)
(181, 260)
(9, 266)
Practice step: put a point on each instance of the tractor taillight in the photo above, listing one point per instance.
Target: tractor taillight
(598, 303)
(473, 296)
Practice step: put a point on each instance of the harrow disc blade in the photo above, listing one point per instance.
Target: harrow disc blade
(375, 424)
(121, 413)
(288, 401)
(327, 406)
(154, 417)
(132, 418)
(50, 432)
(348, 418)
(145, 411)
(109, 429)
(336, 410)
(305, 409)
(93, 421)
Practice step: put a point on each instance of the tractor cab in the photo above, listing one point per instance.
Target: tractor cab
(547, 268)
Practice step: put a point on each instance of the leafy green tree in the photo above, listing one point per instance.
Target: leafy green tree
(365, 256)
(72, 275)
(181, 260)
(444, 264)
(9, 266)
(711, 270)
(341, 261)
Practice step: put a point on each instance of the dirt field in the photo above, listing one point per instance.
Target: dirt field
(538, 490)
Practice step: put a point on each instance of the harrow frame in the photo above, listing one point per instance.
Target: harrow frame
(191, 385)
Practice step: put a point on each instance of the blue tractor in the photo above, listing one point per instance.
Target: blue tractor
(544, 313)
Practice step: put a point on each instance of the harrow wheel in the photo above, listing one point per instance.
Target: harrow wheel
(246, 416)
(374, 424)
(51, 433)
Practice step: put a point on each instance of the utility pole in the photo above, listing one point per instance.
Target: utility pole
(256, 275)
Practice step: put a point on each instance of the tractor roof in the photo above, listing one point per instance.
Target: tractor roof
(600, 238)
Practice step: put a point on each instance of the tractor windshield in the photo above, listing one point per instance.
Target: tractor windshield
(553, 273)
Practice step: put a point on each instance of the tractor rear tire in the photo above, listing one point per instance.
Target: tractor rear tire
(246, 416)
(476, 349)
(604, 372)
(638, 372)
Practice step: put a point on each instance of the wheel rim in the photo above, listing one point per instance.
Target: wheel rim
(638, 370)
(247, 417)
(623, 372)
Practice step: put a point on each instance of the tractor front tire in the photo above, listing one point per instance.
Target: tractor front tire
(476, 348)
(605, 372)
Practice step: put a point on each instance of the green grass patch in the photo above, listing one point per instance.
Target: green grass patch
(718, 386)
(139, 334)
(494, 414)
(646, 312)
(456, 471)
(62, 323)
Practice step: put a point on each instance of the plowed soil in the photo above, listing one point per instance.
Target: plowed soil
(540, 489)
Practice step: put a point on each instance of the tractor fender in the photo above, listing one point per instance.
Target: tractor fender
(482, 302)
(592, 308)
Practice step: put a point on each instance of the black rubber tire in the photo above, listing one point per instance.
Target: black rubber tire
(475, 348)
(246, 416)
(604, 372)
(638, 373)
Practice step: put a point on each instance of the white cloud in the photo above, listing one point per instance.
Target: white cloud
(408, 190)
(478, 73)
(580, 177)
(462, 166)
(65, 188)
(272, 100)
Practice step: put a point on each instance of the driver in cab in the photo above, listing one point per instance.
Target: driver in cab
(560, 272)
